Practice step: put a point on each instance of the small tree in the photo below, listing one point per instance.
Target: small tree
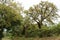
(9, 18)
(26, 24)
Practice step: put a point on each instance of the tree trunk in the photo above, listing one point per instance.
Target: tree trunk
(1, 33)
(0, 38)
(39, 25)
(24, 30)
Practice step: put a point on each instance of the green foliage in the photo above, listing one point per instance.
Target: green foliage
(55, 30)
(35, 32)
(31, 31)
(9, 17)
(45, 32)
(43, 13)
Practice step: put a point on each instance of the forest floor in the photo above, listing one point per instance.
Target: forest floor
(45, 38)
(6, 38)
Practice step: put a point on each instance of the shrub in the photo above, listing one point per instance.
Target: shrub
(43, 32)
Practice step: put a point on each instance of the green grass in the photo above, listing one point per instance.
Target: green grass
(6, 38)
(37, 38)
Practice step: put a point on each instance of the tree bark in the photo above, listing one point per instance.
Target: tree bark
(24, 30)
(0, 38)
(1, 33)
(39, 24)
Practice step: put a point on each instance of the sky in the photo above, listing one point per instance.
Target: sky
(28, 3)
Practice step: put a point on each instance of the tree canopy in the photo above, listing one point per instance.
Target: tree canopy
(43, 13)
(9, 16)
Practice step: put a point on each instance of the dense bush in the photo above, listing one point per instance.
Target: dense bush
(55, 30)
(45, 31)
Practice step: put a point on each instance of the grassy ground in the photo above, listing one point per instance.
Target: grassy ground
(6, 38)
(45, 38)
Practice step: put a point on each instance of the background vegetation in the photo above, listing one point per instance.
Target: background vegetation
(38, 21)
